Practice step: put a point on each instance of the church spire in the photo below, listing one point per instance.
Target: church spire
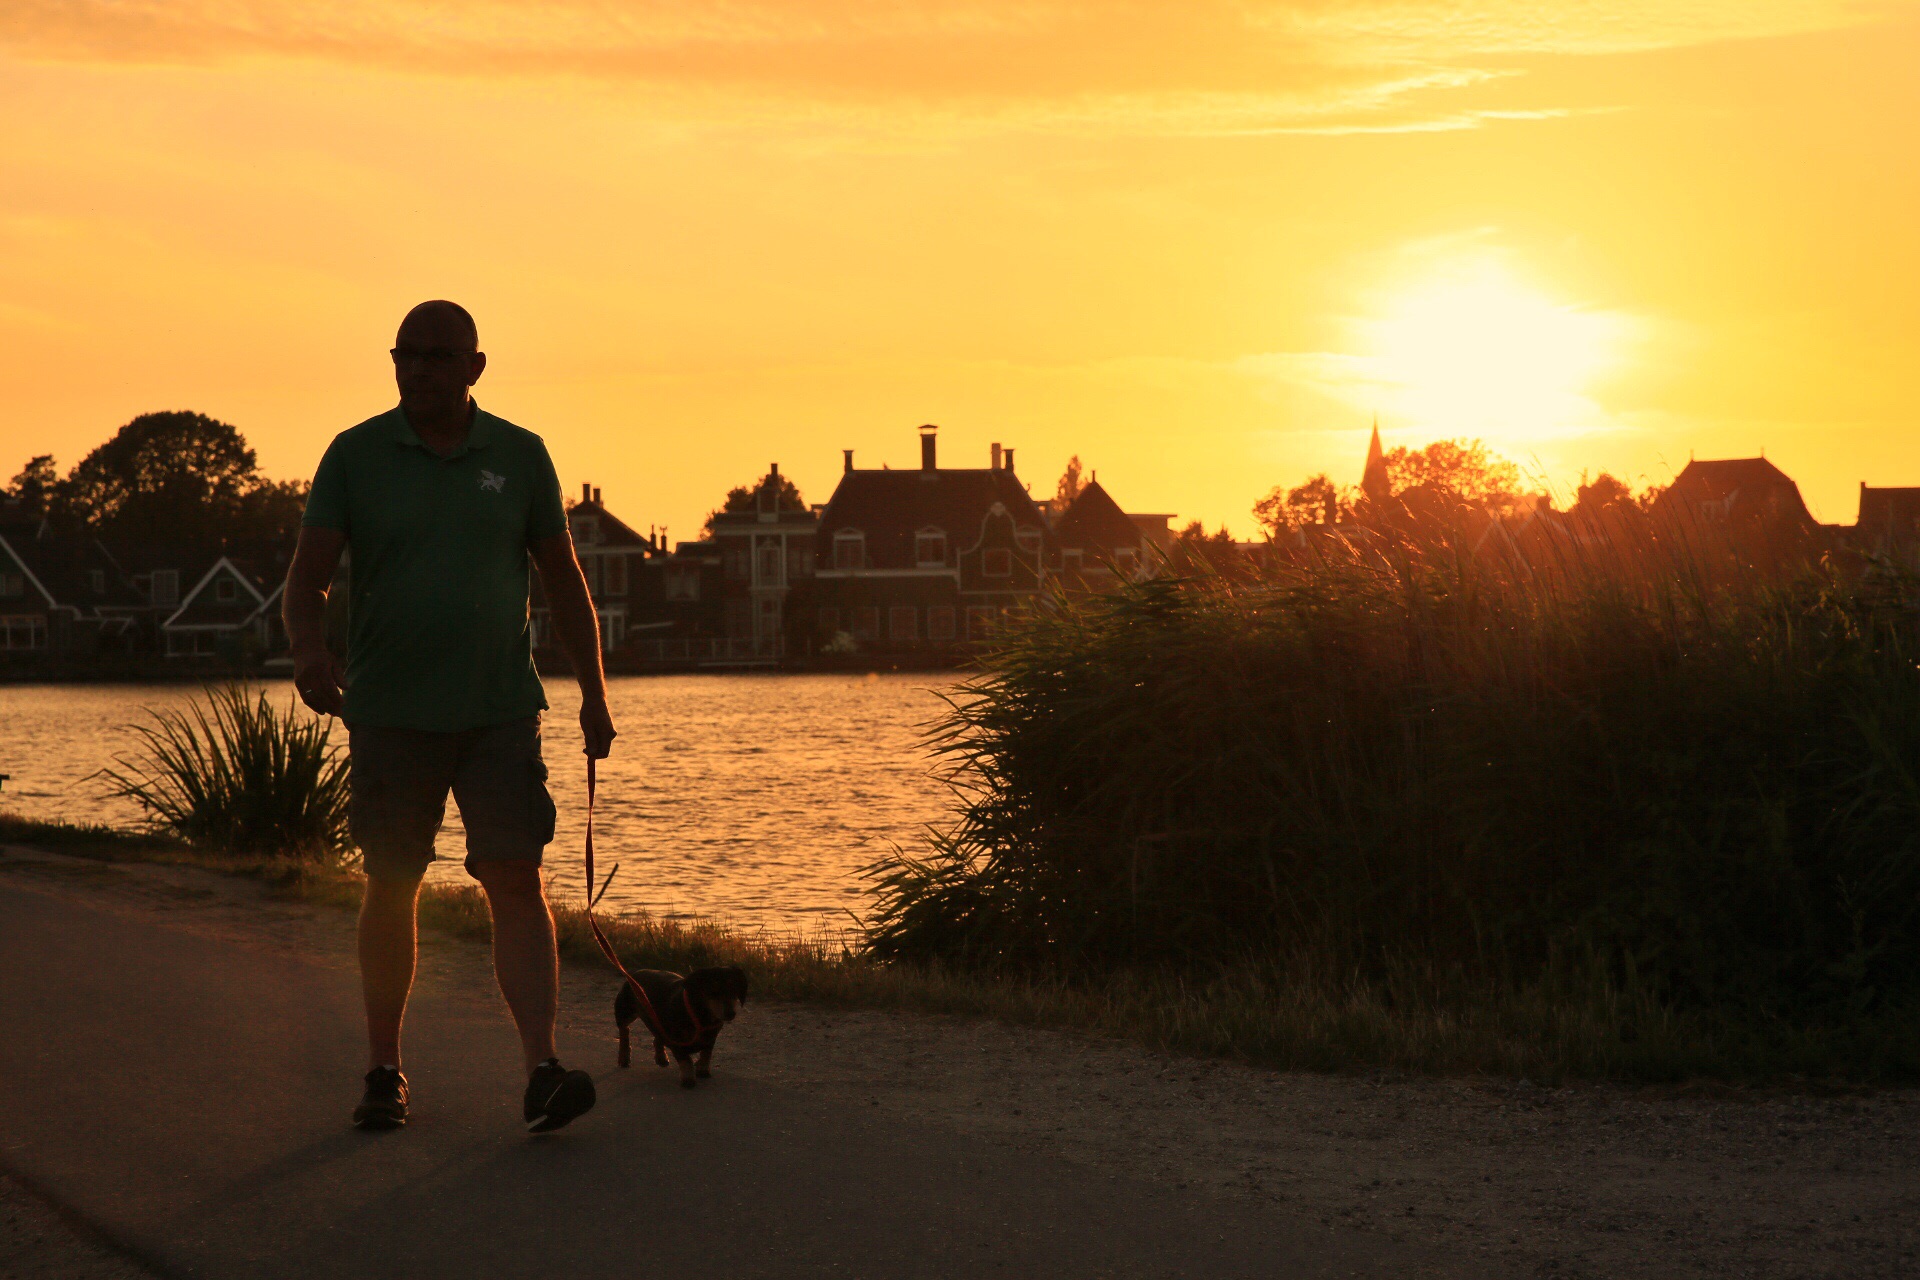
(1374, 481)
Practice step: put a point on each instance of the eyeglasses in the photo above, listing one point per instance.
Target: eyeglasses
(429, 355)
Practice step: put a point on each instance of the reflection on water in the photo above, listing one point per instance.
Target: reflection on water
(750, 799)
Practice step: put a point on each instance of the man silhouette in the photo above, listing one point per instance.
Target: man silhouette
(440, 504)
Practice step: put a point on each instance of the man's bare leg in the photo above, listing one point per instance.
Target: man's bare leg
(525, 960)
(388, 947)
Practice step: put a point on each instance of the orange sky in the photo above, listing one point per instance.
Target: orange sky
(1198, 244)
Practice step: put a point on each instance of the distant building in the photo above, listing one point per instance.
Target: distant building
(231, 613)
(1096, 544)
(1889, 524)
(923, 560)
(60, 594)
(1747, 504)
(767, 555)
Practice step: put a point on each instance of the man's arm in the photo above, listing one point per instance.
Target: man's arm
(578, 628)
(303, 607)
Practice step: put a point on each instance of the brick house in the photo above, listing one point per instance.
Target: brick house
(1747, 504)
(923, 559)
(1889, 524)
(230, 613)
(61, 593)
(1095, 543)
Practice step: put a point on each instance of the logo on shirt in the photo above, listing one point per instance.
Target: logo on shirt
(492, 483)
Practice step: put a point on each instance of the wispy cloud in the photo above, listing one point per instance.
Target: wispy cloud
(1331, 66)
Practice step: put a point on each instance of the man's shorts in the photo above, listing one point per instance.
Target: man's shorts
(399, 783)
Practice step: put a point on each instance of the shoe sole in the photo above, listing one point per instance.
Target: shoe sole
(379, 1122)
(572, 1098)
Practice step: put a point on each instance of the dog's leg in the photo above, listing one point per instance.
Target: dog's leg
(686, 1068)
(626, 1057)
(703, 1065)
(659, 1053)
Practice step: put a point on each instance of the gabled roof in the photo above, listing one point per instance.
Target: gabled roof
(890, 507)
(258, 588)
(61, 568)
(1096, 522)
(614, 532)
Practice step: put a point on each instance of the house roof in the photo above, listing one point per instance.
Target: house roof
(259, 586)
(890, 507)
(1095, 521)
(1742, 480)
(63, 568)
(1883, 508)
(614, 532)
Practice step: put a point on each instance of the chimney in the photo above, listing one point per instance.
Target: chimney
(848, 454)
(996, 455)
(927, 439)
(769, 496)
(596, 496)
(1008, 455)
(586, 493)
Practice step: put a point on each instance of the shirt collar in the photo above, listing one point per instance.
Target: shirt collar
(479, 431)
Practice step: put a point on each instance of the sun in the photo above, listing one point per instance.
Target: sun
(1474, 351)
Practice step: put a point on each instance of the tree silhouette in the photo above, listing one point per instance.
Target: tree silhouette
(1317, 501)
(37, 486)
(169, 478)
(745, 499)
(1070, 484)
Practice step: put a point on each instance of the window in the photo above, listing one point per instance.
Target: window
(613, 630)
(802, 560)
(940, 622)
(1126, 559)
(997, 563)
(828, 622)
(12, 586)
(615, 575)
(903, 622)
(980, 621)
(166, 587)
(225, 590)
(930, 548)
(866, 623)
(590, 569)
(23, 631)
(849, 550)
(739, 563)
(1029, 540)
(770, 559)
(683, 582)
(586, 530)
(97, 581)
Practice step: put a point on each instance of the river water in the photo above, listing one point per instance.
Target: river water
(749, 799)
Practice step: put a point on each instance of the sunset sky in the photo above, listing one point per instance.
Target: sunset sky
(1199, 244)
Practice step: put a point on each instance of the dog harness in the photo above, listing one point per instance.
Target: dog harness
(648, 1014)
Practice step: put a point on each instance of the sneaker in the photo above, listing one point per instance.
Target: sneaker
(557, 1096)
(384, 1105)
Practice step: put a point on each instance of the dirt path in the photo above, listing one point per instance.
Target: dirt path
(1491, 1178)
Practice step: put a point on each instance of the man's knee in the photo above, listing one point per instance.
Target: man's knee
(509, 879)
(390, 893)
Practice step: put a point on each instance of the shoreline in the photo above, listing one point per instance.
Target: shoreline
(1591, 1179)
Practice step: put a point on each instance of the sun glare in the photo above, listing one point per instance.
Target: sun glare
(1476, 352)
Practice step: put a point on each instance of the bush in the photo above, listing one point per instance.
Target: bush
(1406, 757)
(234, 775)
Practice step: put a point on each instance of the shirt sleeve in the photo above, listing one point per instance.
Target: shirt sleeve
(548, 514)
(327, 498)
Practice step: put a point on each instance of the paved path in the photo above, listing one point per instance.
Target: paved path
(188, 1097)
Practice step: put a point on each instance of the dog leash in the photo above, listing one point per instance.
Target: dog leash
(648, 1013)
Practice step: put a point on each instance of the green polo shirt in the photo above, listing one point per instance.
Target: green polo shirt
(438, 634)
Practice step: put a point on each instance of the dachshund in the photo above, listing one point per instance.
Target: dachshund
(686, 1015)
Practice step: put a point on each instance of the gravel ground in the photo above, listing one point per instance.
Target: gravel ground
(1588, 1181)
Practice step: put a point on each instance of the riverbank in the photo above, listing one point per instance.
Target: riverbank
(1574, 1025)
(1577, 1180)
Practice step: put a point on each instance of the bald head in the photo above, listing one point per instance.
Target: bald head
(436, 357)
(441, 323)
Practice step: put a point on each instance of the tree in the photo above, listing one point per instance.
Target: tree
(1317, 501)
(1070, 484)
(37, 486)
(1463, 471)
(744, 499)
(1600, 493)
(164, 477)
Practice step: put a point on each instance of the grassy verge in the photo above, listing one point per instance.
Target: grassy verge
(1576, 1022)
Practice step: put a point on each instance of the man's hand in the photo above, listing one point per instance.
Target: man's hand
(316, 676)
(596, 727)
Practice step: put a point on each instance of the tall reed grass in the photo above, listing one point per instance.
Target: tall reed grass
(235, 775)
(1456, 765)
